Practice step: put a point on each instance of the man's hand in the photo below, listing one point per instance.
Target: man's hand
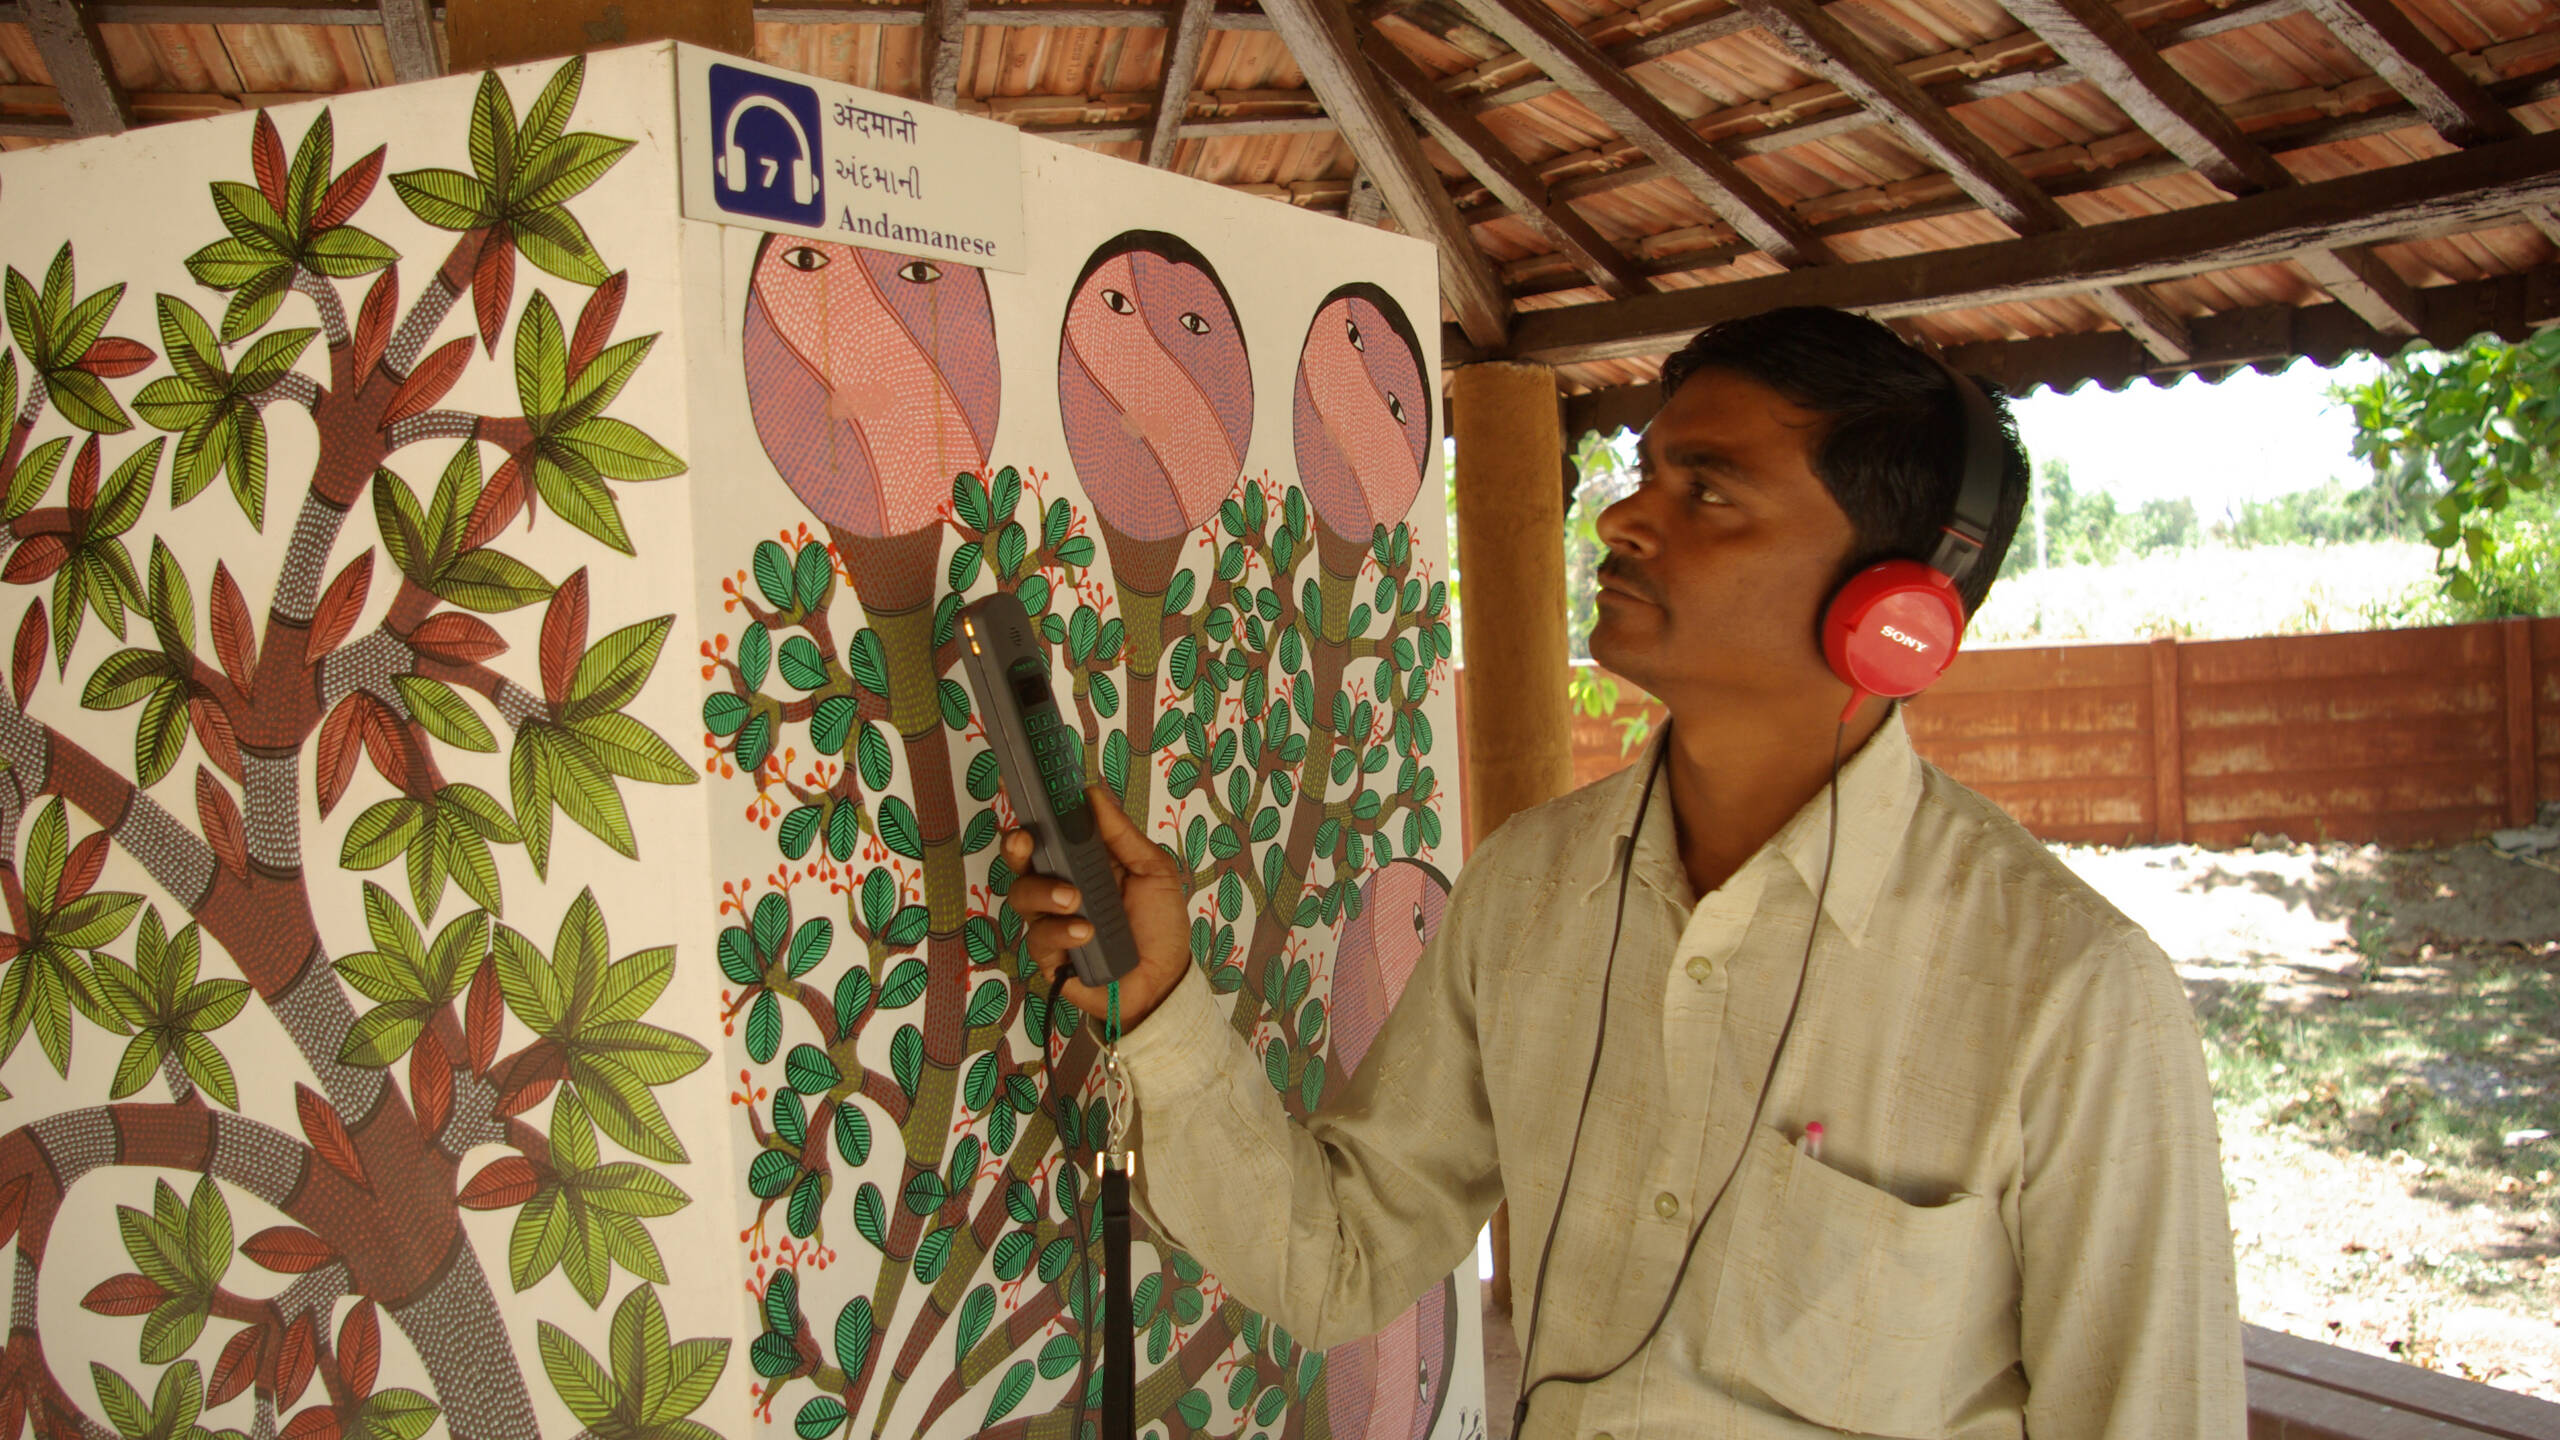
(1150, 891)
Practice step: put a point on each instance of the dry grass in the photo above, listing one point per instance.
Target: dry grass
(2208, 594)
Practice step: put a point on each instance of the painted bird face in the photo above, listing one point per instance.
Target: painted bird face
(872, 378)
(1361, 417)
(1154, 388)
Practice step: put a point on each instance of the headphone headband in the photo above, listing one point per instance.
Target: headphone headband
(1986, 454)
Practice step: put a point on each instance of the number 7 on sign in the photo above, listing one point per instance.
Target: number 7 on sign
(772, 167)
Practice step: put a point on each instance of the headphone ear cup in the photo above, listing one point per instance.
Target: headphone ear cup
(804, 184)
(733, 165)
(1893, 629)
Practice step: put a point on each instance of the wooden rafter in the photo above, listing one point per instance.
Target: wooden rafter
(1510, 178)
(1318, 34)
(2442, 195)
(68, 41)
(1173, 92)
(409, 28)
(946, 31)
(1229, 15)
(2168, 107)
(1625, 106)
(2384, 38)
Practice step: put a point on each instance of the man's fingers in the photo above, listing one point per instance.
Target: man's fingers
(1053, 937)
(1016, 850)
(1033, 896)
(1130, 849)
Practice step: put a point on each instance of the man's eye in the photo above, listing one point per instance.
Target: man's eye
(803, 257)
(1193, 323)
(1706, 494)
(1118, 302)
(919, 272)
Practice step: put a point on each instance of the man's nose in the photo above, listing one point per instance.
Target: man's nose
(1627, 529)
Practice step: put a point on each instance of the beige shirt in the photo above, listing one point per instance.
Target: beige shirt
(2017, 1223)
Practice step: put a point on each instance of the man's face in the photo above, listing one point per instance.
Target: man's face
(1720, 562)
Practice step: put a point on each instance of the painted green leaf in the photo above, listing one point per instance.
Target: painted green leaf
(932, 1252)
(724, 712)
(925, 1193)
(802, 665)
(764, 1027)
(801, 1214)
(906, 983)
(798, 829)
(1275, 1065)
(443, 713)
(492, 583)
(908, 926)
(898, 828)
(1009, 1391)
(771, 1173)
(853, 1133)
(976, 1314)
(1012, 1254)
(809, 1070)
(819, 1418)
(773, 1356)
(906, 1059)
(871, 1215)
(831, 722)
(853, 997)
(854, 1329)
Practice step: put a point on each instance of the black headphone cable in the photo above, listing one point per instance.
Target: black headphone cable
(1573, 1152)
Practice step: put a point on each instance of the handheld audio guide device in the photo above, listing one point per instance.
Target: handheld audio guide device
(1042, 764)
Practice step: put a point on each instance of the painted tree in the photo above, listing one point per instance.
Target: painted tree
(1259, 662)
(457, 1027)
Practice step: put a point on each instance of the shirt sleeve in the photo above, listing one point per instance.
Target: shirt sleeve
(1333, 1224)
(2129, 1323)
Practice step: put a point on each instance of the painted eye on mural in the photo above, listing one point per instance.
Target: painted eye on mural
(1418, 922)
(1192, 322)
(1119, 303)
(1351, 327)
(919, 272)
(1395, 407)
(804, 257)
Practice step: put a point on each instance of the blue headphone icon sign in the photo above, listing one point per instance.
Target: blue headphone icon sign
(732, 164)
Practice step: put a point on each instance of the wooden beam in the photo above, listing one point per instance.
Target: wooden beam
(1827, 47)
(2158, 329)
(946, 31)
(2466, 190)
(1173, 92)
(1106, 14)
(68, 41)
(1625, 106)
(1366, 205)
(221, 12)
(409, 28)
(1511, 179)
(1318, 34)
(2096, 38)
(2401, 54)
(2358, 279)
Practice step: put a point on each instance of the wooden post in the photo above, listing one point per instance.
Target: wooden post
(2168, 752)
(480, 34)
(2521, 799)
(1518, 727)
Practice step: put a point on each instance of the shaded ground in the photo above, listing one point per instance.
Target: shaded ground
(2384, 1032)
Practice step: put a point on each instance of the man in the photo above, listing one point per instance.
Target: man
(2015, 1220)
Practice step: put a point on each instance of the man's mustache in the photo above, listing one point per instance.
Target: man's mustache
(1622, 574)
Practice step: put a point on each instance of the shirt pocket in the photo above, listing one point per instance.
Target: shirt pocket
(1857, 1319)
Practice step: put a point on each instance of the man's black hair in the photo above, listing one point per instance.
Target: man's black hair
(1893, 454)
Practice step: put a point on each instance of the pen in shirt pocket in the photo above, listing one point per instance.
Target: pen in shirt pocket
(1810, 1142)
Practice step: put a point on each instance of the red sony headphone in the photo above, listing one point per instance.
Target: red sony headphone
(1893, 628)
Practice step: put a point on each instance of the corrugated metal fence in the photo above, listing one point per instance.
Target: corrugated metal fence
(2401, 737)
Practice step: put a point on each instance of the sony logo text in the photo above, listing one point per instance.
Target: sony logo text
(1900, 638)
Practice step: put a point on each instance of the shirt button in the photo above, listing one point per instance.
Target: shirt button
(1700, 968)
(1666, 1205)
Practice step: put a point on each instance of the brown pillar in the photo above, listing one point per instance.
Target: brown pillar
(1518, 724)
(480, 34)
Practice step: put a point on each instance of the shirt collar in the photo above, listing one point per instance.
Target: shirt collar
(1879, 791)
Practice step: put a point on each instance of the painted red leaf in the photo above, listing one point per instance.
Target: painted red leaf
(35, 559)
(13, 1402)
(339, 606)
(26, 664)
(13, 1200)
(526, 1079)
(266, 158)
(431, 1083)
(317, 1423)
(235, 634)
(126, 1294)
(295, 1357)
(595, 321)
(493, 285)
(288, 1250)
(564, 637)
(113, 357)
(391, 745)
(457, 637)
(360, 1349)
(428, 383)
(213, 727)
(347, 194)
(484, 1015)
(237, 1367)
(83, 495)
(338, 749)
(220, 818)
(88, 860)
(506, 1182)
(9, 947)
(498, 505)
(373, 322)
(328, 1135)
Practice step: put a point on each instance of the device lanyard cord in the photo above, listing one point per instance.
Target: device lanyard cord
(1689, 1252)
(1119, 1329)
